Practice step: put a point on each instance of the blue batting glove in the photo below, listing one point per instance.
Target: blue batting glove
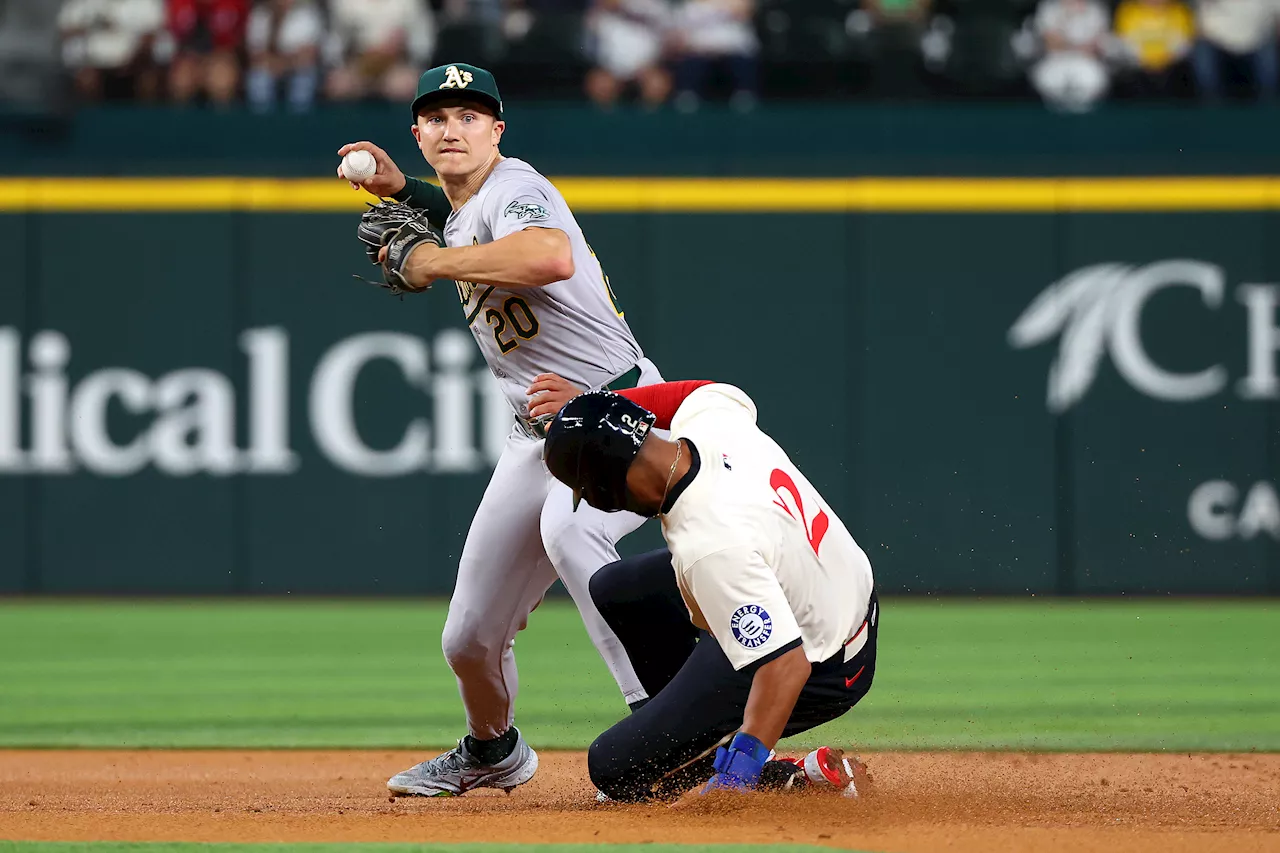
(738, 767)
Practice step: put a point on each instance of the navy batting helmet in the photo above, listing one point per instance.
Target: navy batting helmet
(591, 444)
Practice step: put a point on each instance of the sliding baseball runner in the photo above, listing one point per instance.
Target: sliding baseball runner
(759, 620)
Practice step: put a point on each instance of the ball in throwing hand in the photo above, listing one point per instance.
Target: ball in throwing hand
(359, 166)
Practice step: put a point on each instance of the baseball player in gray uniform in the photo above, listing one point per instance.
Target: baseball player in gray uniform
(537, 301)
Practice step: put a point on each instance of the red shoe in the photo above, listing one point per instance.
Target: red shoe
(827, 767)
(824, 768)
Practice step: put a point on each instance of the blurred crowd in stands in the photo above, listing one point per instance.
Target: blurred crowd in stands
(291, 54)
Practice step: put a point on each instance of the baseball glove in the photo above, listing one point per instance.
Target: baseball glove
(401, 229)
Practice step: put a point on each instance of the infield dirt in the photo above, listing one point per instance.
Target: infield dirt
(920, 802)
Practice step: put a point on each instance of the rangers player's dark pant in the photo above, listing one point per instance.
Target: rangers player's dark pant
(697, 700)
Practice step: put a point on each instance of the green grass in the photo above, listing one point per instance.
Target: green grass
(1110, 675)
(184, 847)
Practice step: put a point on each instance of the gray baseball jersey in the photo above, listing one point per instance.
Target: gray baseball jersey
(572, 327)
(525, 524)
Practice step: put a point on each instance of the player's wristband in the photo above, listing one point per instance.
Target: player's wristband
(406, 192)
(739, 766)
(421, 195)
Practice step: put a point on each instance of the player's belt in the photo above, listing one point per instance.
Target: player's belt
(537, 427)
(533, 427)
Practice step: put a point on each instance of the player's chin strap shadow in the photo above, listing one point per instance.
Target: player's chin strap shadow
(396, 290)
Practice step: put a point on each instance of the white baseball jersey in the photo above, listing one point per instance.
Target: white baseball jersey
(573, 327)
(760, 558)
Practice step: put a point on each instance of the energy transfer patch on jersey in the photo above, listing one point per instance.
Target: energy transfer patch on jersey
(526, 212)
(751, 626)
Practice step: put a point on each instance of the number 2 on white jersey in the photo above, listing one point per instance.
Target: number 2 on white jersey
(779, 480)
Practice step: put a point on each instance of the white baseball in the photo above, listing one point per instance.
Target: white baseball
(359, 166)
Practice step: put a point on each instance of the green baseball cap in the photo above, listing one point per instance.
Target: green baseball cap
(458, 80)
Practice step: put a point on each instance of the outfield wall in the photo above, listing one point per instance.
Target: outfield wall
(196, 397)
(795, 138)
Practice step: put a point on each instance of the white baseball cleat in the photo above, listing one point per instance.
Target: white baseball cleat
(457, 771)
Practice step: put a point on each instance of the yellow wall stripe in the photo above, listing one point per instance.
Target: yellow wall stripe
(678, 195)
